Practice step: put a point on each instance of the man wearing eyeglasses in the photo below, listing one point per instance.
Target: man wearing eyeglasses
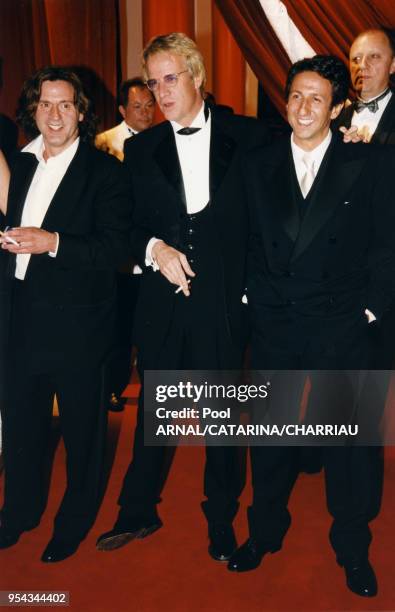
(190, 236)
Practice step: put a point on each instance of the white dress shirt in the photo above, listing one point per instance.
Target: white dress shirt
(193, 153)
(45, 182)
(366, 121)
(111, 141)
(315, 156)
(194, 156)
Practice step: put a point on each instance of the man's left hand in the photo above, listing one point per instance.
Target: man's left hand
(31, 240)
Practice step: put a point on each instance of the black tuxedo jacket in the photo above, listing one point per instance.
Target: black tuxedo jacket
(73, 295)
(159, 207)
(317, 272)
(385, 130)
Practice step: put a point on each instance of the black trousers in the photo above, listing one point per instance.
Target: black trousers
(195, 340)
(27, 415)
(120, 367)
(353, 474)
(27, 418)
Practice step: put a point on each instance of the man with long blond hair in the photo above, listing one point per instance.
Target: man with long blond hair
(190, 233)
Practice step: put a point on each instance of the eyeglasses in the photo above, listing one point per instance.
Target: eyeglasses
(170, 80)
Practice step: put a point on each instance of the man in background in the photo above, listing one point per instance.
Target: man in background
(137, 107)
(372, 64)
(372, 117)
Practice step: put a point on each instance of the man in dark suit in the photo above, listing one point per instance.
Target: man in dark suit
(137, 107)
(69, 209)
(322, 267)
(371, 117)
(372, 64)
(4, 182)
(190, 223)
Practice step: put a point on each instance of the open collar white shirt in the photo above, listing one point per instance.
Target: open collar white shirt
(316, 156)
(45, 183)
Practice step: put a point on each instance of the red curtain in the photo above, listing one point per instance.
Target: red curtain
(259, 44)
(91, 44)
(23, 47)
(228, 65)
(39, 32)
(163, 17)
(385, 11)
(328, 25)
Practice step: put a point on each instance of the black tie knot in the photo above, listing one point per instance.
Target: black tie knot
(372, 105)
(187, 131)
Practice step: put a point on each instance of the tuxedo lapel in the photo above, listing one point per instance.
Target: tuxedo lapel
(70, 192)
(283, 197)
(222, 149)
(385, 130)
(346, 116)
(335, 179)
(20, 187)
(274, 190)
(166, 157)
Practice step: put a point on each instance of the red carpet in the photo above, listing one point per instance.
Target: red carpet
(171, 570)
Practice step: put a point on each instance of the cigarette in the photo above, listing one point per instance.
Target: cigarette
(9, 239)
(180, 288)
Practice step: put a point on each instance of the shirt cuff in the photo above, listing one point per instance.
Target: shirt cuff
(149, 260)
(370, 316)
(55, 252)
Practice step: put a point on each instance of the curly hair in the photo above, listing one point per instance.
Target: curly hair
(179, 44)
(328, 67)
(30, 96)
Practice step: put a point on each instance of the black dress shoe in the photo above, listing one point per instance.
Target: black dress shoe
(8, 537)
(310, 460)
(124, 532)
(116, 403)
(248, 556)
(58, 550)
(222, 541)
(360, 577)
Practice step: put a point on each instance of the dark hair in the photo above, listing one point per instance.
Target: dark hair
(123, 93)
(209, 98)
(30, 96)
(328, 67)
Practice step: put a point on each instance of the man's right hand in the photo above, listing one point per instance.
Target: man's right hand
(351, 134)
(173, 265)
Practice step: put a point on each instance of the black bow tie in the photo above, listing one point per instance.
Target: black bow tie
(372, 105)
(187, 131)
